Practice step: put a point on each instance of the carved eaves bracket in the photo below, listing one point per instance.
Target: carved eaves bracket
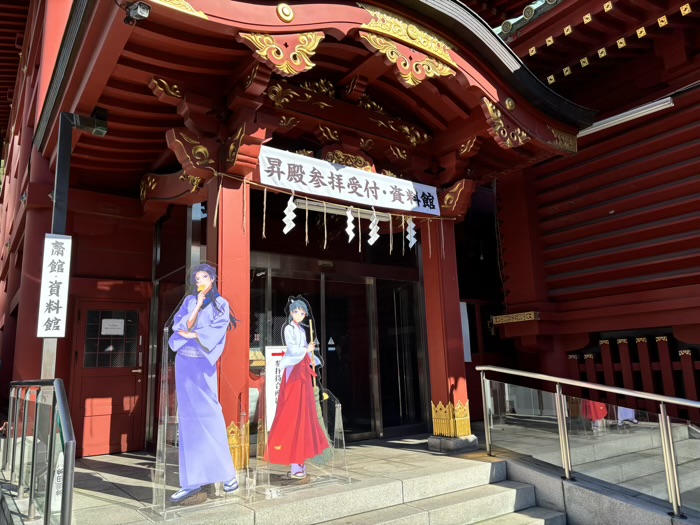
(287, 55)
(456, 200)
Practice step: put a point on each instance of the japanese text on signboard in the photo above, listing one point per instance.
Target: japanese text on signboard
(53, 298)
(312, 176)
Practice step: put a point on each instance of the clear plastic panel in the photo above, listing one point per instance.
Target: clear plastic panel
(16, 445)
(57, 478)
(524, 420)
(28, 441)
(41, 462)
(618, 445)
(686, 447)
(275, 473)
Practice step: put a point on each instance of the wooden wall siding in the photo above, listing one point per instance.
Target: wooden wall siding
(664, 366)
(624, 215)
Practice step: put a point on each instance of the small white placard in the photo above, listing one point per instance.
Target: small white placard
(273, 380)
(112, 327)
(55, 277)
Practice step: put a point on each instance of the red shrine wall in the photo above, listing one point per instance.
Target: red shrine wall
(606, 242)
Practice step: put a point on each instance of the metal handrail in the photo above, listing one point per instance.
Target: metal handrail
(22, 391)
(674, 493)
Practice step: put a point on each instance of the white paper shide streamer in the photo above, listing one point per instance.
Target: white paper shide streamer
(410, 233)
(373, 229)
(350, 230)
(289, 216)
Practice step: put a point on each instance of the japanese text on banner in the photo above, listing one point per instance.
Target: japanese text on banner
(307, 175)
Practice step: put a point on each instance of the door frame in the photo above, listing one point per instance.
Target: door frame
(75, 388)
(287, 266)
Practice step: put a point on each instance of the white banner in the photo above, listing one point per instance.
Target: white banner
(307, 175)
(273, 380)
(55, 276)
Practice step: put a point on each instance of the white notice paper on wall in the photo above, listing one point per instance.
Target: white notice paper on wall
(112, 327)
(55, 276)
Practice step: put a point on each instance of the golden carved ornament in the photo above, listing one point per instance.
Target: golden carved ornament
(608, 6)
(235, 145)
(173, 91)
(584, 61)
(603, 342)
(467, 146)
(589, 356)
(329, 134)
(510, 104)
(305, 152)
(515, 318)
(321, 87)
(641, 340)
(641, 32)
(685, 9)
(251, 77)
(181, 5)
(280, 95)
(663, 21)
(412, 72)
(239, 444)
(573, 356)
(398, 152)
(195, 182)
(451, 420)
(415, 36)
(346, 159)
(414, 136)
(452, 197)
(389, 174)
(285, 13)
(564, 141)
(288, 122)
(622, 341)
(287, 63)
(510, 139)
(366, 144)
(369, 104)
(148, 183)
(661, 338)
(685, 351)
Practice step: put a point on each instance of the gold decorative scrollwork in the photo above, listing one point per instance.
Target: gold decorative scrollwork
(398, 152)
(305, 152)
(148, 183)
(511, 139)
(195, 182)
(414, 136)
(451, 420)
(411, 34)
(235, 145)
(389, 173)
(281, 96)
(411, 71)
(288, 122)
(686, 351)
(346, 159)
(251, 77)
(641, 340)
(181, 5)
(622, 341)
(467, 146)
(452, 197)
(366, 144)
(368, 103)
(515, 318)
(564, 141)
(322, 87)
(329, 134)
(589, 356)
(173, 91)
(603, 342)
(287, 63)
(201, 155)
(661, 338)
(573, 356)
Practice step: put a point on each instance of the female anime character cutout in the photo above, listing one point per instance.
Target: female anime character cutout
(296, 435)
(199, 336)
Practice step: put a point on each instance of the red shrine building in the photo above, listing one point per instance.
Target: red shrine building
(520, 189)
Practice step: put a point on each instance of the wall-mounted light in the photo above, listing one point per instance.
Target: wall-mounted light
(137, 12)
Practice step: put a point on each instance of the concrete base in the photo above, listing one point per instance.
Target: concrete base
(452, 445)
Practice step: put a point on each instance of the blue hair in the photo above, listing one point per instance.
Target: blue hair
(298, 305)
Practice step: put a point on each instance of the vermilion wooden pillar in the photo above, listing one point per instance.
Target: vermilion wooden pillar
(647, 375)
(608, 370)
(450, 403)
(688, 369)
(667, 372)
(233, 235)
(591, 376)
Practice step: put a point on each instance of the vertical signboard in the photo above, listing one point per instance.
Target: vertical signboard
(273, 381)
(55, 275)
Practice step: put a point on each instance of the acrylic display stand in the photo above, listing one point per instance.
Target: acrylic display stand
(272, 480)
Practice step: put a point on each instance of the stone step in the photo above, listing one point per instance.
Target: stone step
(461, 507)
(477, 504)
(655, 484)
(531, 516)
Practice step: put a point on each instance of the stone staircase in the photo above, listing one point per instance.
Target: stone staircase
(435, 490)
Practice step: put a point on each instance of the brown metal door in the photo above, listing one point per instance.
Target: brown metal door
(108, 389)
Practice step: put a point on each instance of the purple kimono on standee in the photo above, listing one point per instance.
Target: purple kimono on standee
(199, 336)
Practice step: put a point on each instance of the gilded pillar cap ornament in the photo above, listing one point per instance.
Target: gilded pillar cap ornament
(608, 6)
(603, 342)
(685, 351)
(685, 9)
(532, 51)
(587, 18)
(641, 340)
(566, 71)
(550, 79)
(641, 32)
(589, 356)
(285, 13)
(568, 30)
(584, 61)
(661, 338)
